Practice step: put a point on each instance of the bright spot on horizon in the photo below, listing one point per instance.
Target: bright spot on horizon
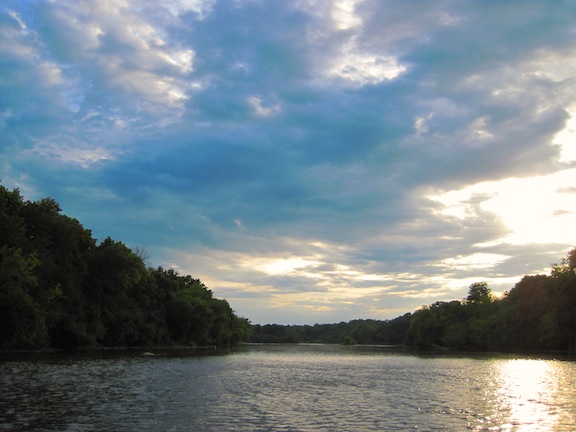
(534, 209)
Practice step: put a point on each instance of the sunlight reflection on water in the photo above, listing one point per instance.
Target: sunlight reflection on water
(532, 393)
(289, 388)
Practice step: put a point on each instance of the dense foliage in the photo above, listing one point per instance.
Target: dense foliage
(59, 288)
(376, 332)
(538, 314)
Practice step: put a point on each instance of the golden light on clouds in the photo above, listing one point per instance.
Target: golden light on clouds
(539, 209)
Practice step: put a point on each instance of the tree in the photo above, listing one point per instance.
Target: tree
(426, 329)
(58, 286)
(479, 293)
(114, 273)
(12, 225)
(566, 266)
(563, 309)
(22, 324)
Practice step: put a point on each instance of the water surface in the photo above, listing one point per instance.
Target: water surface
(287, 388)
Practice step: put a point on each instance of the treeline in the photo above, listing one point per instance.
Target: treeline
(537, 314)
(59, 288)
(390, 332)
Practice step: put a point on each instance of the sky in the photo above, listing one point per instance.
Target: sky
(311, 161)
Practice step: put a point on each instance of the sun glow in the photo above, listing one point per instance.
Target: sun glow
(536, 209)
(566, 138)
(475, 261)
(525, 388)
(285, 265)
(539, 209)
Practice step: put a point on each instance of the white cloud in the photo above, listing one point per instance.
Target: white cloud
(534, 209)
(200, 7)
(16, 17)
(540, 81)
(340, 52)
(281, 266)
(363, 68)
(421, 124)
(344, 14)
(566, 138)
(114, 41)
(262, 110)
(479, 127)
(80, 154)
(475, 261)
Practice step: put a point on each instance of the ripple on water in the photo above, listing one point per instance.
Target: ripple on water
(289, 389)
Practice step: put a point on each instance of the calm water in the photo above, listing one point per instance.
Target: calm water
(287, 388)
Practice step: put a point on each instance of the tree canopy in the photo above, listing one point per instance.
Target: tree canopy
(60, 288)
(537, 314)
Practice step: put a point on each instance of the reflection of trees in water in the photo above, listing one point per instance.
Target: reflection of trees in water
(287, 387)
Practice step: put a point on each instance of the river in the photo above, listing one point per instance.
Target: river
(286, 388)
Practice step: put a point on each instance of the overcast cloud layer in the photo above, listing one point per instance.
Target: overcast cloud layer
(309, 160)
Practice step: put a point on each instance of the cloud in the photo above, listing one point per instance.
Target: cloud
(566, 138)
(338, 48)
(311, 161)
(118, 46)
(362, 69)
(532, 208)
(74, 154)
(261, 110)
(476, 261)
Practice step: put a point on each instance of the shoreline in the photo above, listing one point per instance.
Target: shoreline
(167, 350)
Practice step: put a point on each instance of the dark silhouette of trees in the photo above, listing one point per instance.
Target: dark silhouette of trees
(374, 332)
(537, 314)
(60, 288)
(479, 294)
(21, 318)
